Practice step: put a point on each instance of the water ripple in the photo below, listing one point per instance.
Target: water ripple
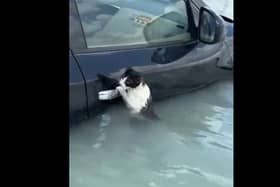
(173, 170)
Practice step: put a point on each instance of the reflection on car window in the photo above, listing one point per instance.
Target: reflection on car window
(109, 23)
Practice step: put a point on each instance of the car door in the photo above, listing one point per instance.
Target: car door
(157, 38)
(77, 92)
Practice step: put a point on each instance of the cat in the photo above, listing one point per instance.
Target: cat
(133, 90)
(136, 94)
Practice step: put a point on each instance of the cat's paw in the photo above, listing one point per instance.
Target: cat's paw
(121, 90)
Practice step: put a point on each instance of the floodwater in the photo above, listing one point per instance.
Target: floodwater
(192, 144)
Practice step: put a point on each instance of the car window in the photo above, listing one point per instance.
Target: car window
(110, 23)
(76, 33)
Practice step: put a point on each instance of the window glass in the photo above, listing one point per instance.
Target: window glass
(109, 23)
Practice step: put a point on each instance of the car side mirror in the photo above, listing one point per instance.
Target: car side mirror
(211, 27)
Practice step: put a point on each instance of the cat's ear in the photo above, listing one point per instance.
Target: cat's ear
(128, 70)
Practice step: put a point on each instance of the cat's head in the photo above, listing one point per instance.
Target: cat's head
(130, 79)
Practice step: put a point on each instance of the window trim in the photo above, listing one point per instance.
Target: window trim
(134, 47)
(191, 21)
(81, 36)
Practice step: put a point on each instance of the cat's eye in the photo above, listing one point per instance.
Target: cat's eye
(128, 81)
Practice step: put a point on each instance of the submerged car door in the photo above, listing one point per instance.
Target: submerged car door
(156, 38)
(77, 92)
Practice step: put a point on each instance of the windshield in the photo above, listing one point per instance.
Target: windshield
(222, 7)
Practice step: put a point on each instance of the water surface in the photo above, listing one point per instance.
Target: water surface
(192, 145)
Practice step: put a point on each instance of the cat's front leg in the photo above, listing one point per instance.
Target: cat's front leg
(121, 91)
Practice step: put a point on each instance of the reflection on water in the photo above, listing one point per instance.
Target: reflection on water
(191, 146)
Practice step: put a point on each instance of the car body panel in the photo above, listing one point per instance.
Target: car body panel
(77, 92)
(191, 70)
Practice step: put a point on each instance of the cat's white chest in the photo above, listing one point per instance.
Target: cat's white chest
(136, 99)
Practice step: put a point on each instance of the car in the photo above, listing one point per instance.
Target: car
(177, 45)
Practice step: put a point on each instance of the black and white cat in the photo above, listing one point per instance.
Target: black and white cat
(134, 91)
(136, 94)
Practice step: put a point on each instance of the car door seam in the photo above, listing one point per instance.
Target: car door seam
(84, 79)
